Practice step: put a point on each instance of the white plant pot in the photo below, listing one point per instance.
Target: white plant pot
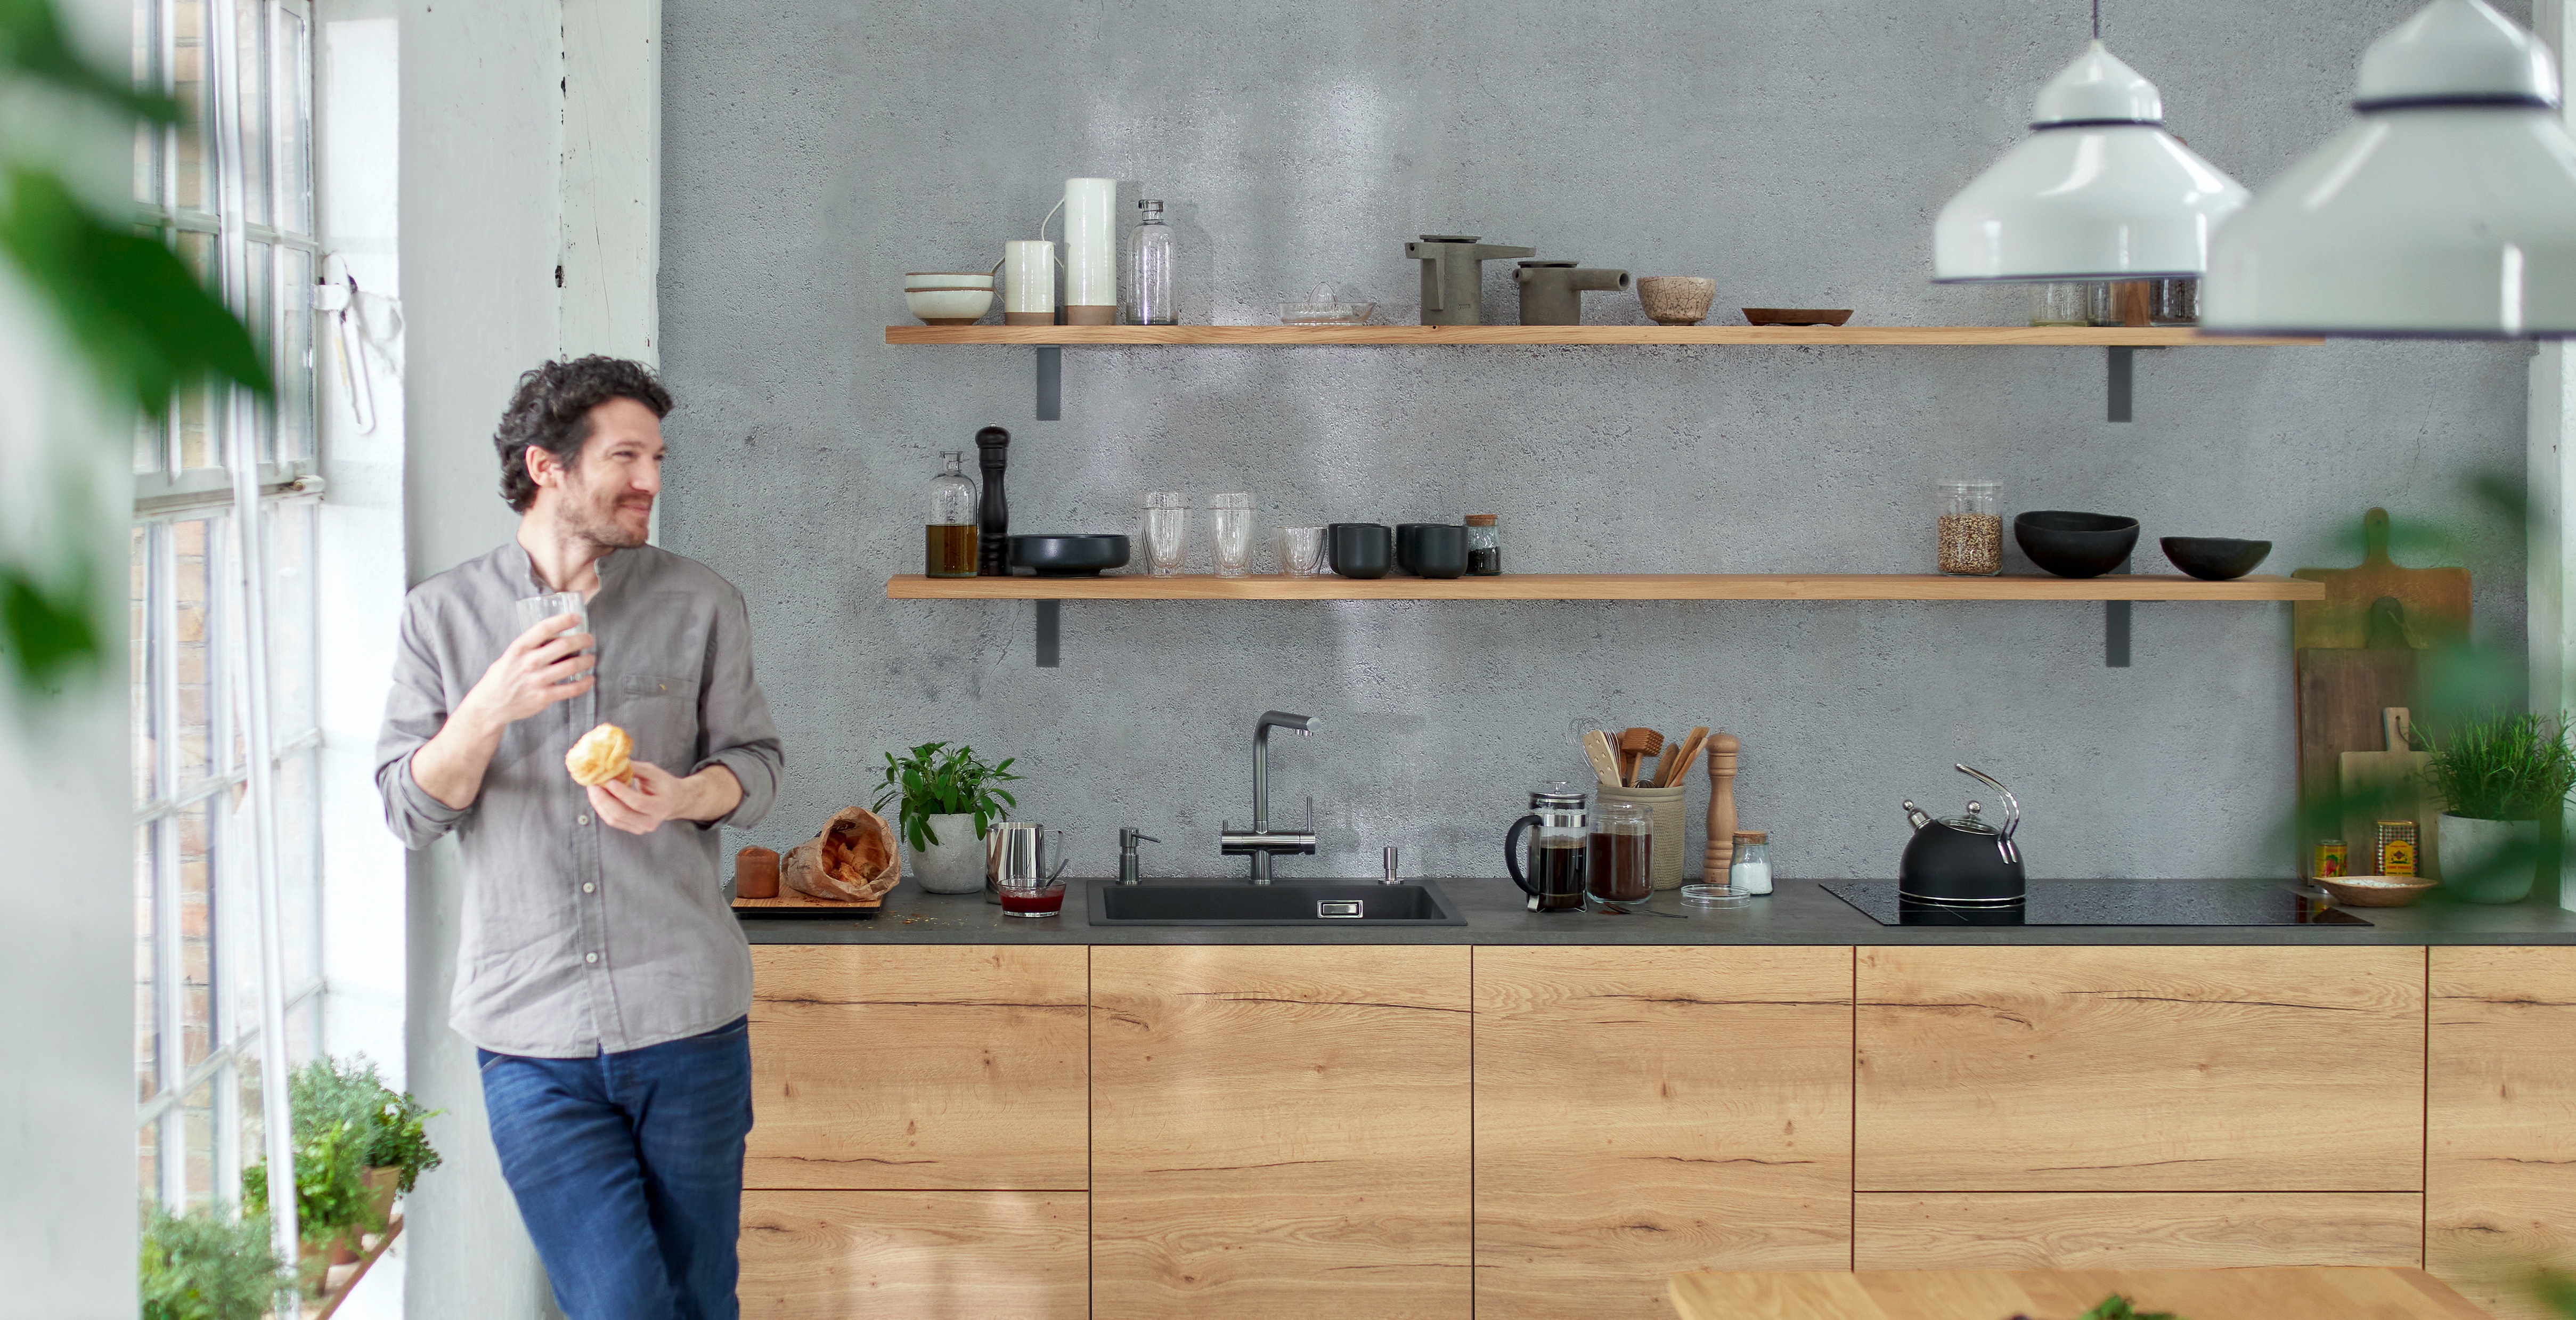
(955, 864)
(2475, 858)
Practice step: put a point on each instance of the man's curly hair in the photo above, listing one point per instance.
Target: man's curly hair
(551, 410)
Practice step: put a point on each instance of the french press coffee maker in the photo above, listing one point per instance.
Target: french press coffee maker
(1554, 881)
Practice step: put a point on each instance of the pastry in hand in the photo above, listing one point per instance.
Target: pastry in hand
(600, 756)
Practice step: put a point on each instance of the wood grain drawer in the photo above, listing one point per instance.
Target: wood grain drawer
(839, 1255)
(919, 1066)
(2500, 1181)
(1280, 1131)
(2134, 1230)
(2140, 1069)
(1645, 1111)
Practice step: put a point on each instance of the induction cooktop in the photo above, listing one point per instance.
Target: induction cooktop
(2110, 903)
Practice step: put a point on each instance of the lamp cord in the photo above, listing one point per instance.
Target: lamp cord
(2097, 20)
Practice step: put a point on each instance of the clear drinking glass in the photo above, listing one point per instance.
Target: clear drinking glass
(534, 610)
(1302, 552)
(1167, 526)
(1230, 529)
(2063, 302)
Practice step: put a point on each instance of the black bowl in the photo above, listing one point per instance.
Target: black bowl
(2075, 545)
(1432, 550)
(1068, 556)
(1361, 550)
(2215, 558)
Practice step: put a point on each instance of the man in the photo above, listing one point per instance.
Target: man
(599, 974)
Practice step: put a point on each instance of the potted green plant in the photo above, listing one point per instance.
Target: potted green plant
(207, 1265)
(358, 1144)
(949, 797)
(2497, 777)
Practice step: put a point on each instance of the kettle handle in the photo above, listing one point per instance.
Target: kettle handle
(2012, 805)
(1511, 851)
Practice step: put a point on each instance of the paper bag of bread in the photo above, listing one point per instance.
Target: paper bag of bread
(852, 860)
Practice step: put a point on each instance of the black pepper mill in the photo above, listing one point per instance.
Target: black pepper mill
(993, 517)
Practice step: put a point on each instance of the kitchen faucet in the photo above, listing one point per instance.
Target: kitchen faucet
(1261, 843)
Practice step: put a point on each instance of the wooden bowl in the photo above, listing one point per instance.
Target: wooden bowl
(1796, 315)
(2381, 891)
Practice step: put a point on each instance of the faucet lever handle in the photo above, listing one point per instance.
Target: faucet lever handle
(1310, 813)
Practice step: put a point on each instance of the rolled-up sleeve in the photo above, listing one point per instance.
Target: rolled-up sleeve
(415, 710)
(733, 717)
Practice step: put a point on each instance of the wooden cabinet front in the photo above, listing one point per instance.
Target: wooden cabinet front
(1280, 1131)
(1645, 1111)
(920, 1255)
(2134, 1230)
(919, 1066)
(2500, 1181)
(2138, 1068)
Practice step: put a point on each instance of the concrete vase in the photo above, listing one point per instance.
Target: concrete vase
(955, 864)
(2489, 861)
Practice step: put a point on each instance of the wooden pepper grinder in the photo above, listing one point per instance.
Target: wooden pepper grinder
(1721, 807)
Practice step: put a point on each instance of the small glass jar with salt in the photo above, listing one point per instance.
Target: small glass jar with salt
(1751, 869)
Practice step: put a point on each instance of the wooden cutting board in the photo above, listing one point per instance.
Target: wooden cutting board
(2288, 1293)
(2433, 602)
(2367, 775)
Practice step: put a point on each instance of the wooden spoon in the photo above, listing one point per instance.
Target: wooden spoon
(1596, 747)
(1677, 767)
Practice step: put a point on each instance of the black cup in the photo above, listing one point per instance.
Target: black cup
(1432, 550)
(1362, 550)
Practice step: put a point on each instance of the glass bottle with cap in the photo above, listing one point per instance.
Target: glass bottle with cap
(1750, 872)
(1149, 269)
(948, 540)
(1554, 880)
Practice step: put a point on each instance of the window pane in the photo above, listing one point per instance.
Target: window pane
(194, 406)
(197, 657)
(147, 73)
(147, 1015)
(142, 673)
(250, 53)
(298, 879)
(294, 74)
(194, 182)
(260, 313)
(296, 364)
(247, 1113)
(148, 1163)
(151, 443)
(291, 657)
(197, 1119)
(195, 829)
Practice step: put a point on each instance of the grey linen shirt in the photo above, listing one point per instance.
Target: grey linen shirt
(578, 937)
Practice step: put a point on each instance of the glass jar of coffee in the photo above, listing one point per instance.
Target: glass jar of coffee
(1620, 868)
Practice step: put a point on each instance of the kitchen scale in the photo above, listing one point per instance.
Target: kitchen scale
(2108, 903)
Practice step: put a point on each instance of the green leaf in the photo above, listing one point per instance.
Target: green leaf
(48, 634)
(32, 43)
(132, 307)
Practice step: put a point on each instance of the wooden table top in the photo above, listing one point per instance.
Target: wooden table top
(2305, 1293)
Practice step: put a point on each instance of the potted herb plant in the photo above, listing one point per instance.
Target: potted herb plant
(2497, 777)
(949, 797)
(358, 1144)
(207, 1265)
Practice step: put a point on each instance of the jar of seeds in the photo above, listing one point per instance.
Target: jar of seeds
(1972, 533)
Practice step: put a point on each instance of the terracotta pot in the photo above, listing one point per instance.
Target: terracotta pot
(382, 1185)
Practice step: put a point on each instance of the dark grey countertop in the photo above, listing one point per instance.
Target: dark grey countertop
(1799, 913)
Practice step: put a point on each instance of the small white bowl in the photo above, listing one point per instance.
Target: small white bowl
(949, 306)
(947, 279)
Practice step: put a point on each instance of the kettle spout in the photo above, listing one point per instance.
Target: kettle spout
(1915, 816)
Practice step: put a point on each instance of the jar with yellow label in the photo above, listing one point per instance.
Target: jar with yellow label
(2331, 860)
(2396, 847)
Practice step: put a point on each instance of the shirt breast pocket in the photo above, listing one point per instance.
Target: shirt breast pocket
(660, 711)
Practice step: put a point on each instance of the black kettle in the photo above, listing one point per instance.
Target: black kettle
(1965, 861)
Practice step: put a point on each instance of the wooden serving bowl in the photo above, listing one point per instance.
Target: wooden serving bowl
(2381, 891)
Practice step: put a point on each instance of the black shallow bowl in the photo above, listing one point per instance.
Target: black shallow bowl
(1361, 550)
(2075, 545)
(1068, 556)
(2215, 558)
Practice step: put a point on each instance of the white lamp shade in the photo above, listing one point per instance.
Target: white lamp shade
(2448, 210)
(2099, 190)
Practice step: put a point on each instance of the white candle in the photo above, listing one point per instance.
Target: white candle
(1090, 252)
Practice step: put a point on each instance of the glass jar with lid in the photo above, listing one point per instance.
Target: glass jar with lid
(1971, 531)
(1750, 871)
(1484, 545)
(1620, 868)
(948, 540)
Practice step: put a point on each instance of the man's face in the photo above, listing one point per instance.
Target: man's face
(607, 497)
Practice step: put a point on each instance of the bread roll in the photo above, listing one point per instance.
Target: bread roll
(601, 756)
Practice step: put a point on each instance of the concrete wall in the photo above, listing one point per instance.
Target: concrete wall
(1795, 153)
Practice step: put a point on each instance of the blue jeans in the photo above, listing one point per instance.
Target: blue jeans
(628, 1170)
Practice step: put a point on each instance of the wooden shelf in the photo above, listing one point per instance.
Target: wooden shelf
(1608, 586)
(1071, 336)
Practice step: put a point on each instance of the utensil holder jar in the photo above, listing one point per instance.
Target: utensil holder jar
(1672, 822)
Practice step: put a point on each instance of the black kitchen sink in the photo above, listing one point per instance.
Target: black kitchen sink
(1241, 903)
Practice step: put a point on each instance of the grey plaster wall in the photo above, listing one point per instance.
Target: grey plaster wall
(1795, 152)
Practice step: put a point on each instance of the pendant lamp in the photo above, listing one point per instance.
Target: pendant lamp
(2448, 209)
(2098, 191)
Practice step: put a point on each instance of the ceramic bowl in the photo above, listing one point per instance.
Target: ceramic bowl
(2215, 558)
(2075, 545)
(1068, 556)
(949, 306)
(1360, 550)
(2376, 890)
(947, 279)
(1796, 315)
(1676, 299)
(1432, 550)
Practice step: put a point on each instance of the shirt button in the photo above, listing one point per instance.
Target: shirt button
(583, 821)
(587, 886)
(590, 957)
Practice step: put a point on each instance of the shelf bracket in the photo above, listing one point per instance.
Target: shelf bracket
(2123, 376)
(1051, 384)
(2115, 627)
(1050, 621)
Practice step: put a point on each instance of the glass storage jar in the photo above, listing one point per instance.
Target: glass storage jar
(1971, 531)
(2061, 302)
(1484, 545)
(948, 539)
